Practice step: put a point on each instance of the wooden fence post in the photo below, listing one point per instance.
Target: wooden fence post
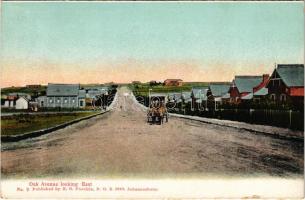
(290, 113)
(251, 110)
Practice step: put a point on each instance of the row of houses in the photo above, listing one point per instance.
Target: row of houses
(284, 85)
(57, 96)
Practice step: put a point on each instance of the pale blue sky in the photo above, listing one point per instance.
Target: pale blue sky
(208, 32)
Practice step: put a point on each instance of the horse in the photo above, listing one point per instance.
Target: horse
(163, 113)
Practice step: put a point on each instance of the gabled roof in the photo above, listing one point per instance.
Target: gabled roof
(62, 89)
(219, 89)
(292, 74)
(247, 83)
(261, 92)
(22, 97)
(199, 92)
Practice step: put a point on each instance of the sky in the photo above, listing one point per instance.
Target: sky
(97, 42)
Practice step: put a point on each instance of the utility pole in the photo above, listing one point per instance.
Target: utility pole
(149, 97)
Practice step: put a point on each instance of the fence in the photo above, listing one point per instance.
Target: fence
(281, 118)
(292, 119)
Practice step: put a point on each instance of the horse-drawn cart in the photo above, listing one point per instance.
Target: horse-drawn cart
(157, 111)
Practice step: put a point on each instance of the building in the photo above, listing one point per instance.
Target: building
(3, 98)
(42, 101)
(199, 94)
(95, 93)
(82, 98)
(199, 97)
(9, 100)
(259, 92)
(187, 97)
(88, 88)
(96, 96)
(215, 93)
(16, 95)
(22, 103)
(173, 82)
(63, 96)
(225, 98)
(174, 97)
(218, 89)
(286, 84)
(242, 86)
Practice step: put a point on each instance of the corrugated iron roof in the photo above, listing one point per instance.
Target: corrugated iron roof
(247, 83)
(261, 92)
(219, 90)
(292, 74)
(199, 92)
(63, 89)
(226, 96)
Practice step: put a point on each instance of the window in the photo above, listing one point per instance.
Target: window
(283, 97)
(66, 100)
(41, 103)
(81, 103)
(58, 100)
(73, 100)
(51, 100)
(273, 97)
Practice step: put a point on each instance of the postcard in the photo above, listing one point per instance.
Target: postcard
(154, 100)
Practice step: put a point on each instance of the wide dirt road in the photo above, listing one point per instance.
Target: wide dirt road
(121, 144)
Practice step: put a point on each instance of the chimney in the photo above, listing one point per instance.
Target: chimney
(265, 77)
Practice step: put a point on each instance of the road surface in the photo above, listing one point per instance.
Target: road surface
(121, 144)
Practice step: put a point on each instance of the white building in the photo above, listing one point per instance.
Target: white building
(64, 96)
(22, 103)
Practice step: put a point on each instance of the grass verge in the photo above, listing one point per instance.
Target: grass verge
(20, 124)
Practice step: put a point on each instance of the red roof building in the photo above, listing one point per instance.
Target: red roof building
(286, 84)
(173, 82)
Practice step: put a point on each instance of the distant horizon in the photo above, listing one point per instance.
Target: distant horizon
(145, 81)
(133, 41)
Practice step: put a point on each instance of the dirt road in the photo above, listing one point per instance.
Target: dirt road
(121, 144)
